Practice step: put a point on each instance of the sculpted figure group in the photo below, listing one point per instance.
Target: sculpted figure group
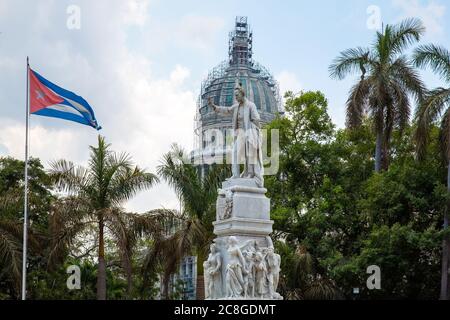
(225, 204)
(250, 272)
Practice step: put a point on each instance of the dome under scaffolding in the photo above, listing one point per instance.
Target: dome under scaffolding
(240, 68)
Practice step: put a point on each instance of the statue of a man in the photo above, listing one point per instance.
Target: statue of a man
(247, 137)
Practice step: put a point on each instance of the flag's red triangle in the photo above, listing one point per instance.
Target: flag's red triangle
(40, 96)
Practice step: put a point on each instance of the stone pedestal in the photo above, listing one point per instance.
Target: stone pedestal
(242, 263)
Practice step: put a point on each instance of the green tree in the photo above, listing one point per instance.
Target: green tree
(435, 104)
(336, 217)
(95, 197)
(190, 231)
(306, 159)
(11, 220)
(388, 79)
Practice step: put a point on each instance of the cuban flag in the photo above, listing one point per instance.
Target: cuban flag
(48, 99)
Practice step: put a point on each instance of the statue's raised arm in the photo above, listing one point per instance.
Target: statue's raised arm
(218, 109)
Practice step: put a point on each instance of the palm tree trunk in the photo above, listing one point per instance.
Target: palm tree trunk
(101, 272)
(129, 283)
(200, 288)
(165, 294)
(378, 149)
(445, 248)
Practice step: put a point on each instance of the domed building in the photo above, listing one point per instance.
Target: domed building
(258, 83)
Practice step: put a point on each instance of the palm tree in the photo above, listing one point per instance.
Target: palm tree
(388, 80)
(96, 194)
(301, 280)
(436, 103)
(192, 227)
(11, 213)
(11, 252)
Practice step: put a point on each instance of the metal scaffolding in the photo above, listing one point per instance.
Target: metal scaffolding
(240, 43)
(259, 83)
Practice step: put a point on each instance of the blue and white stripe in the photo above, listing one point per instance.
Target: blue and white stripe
(73, 108)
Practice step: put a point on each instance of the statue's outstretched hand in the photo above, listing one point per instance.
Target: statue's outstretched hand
(211, 104)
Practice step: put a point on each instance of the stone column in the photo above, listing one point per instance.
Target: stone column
(242, 263)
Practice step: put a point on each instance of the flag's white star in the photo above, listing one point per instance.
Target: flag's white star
(39, 94)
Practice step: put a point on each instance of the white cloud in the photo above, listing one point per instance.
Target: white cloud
(198, 32)
(431, 13)
(3, 8)
(288, 81)
(46, 143)
(136, 12)
(140, 113)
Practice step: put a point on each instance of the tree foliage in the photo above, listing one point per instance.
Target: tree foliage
(334, 217)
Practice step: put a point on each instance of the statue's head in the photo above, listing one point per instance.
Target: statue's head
(258, 256)
(213, 248)
(249, 255)
(232, 240)
(239, 93)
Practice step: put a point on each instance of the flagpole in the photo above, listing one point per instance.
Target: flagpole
(25, 205)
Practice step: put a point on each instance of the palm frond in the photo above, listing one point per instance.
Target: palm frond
(435, 57)
(213, 179)
(68, 218)
(11, 250)
(349, 61)
(428, 112)
(404, 73)
(357, 103)
(402, 106)
(184, 179)
(127, 182)
(404, 34)
(98, 161)
(170, 248)
(68, 177)
(322, 289)
(10, 200)
(120, 225)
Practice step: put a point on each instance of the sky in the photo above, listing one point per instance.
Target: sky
(140, 63)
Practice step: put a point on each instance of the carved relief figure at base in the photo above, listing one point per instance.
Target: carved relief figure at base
(224, 204)
(235, 269)
(213, 274)
(261, 275)
(251, 272)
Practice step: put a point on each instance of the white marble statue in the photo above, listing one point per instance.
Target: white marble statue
(213, 274)
(273, 272)
(250, 274)
(273, 269)
(247, 137)
(235, 269)
(225, 209)
(261, 275)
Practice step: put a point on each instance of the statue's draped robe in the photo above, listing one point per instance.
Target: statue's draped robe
(234, 273)
(247, 140)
